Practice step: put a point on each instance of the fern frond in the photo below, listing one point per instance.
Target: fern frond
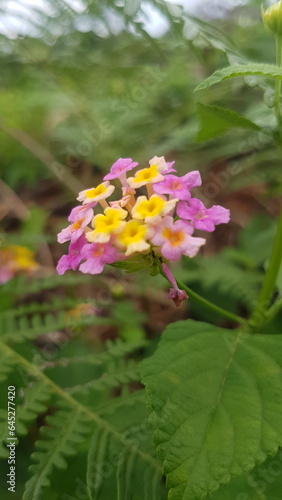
(66, 429)
(32, 320)
(219, 273)
(35, 402)
(109, 380)
(123, 401)
(21, 286)
(7, 364)
(115, 433)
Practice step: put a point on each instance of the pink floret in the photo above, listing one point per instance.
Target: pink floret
(179, 187)
(201, 217)
(74, 257)
(96, 256)
(119, 168)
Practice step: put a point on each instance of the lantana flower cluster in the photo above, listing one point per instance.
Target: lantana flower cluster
(14, 260)
(154, 214)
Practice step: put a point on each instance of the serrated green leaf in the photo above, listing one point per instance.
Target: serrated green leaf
(215, 121)
(216, 400)
(264, 482)
(266, 70)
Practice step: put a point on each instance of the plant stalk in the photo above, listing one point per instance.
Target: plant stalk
(278, 81)
(207, 304)
(258, 317)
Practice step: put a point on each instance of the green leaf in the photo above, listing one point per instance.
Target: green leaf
(215, 37)
(215, 121)
(66, 430)
(216, 400)
(266, 70)
(135, 263)
(264, 482)
(131, 7)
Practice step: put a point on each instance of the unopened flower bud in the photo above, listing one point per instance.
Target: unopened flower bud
(272, 18)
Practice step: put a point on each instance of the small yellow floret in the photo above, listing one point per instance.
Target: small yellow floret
(133, 232)
(145, 176)
(97, 194)
(149, 208)
(133, 237)
(109, 221)
(106, 224)
(97, 191)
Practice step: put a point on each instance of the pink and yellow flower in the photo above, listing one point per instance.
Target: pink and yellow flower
(136, 224)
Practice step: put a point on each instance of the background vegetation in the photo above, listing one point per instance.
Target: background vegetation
(80, 87)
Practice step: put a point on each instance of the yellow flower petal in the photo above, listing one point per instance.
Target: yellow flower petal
(98, 193)
(145, 176)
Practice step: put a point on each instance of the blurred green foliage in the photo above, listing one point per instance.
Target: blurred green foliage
(95, 86)
(79, 90)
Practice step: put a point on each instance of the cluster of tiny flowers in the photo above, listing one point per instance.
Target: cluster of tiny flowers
(160, 222)
(16, 260)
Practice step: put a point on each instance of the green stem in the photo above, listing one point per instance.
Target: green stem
(258, 317)
(278, 82)
(207, 304)
(273, 311)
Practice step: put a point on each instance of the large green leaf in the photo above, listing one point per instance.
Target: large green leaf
(216, 401)
(215, 121)
(266, 70)
(264, 482)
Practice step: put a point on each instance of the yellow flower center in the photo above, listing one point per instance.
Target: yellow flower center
(77, 224)
(146, 175)
(133, 232)
(92, 193)
(108, 222)
(174, 237)
(151, 207)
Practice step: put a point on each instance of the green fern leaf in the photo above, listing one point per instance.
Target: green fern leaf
(7, 364)
(118, 424)
(216, 400)
(129, 459)
(32, 320)
(35, 402)
(66, 429)
(109, 380)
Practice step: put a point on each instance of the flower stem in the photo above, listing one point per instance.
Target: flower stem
(278, 82)
(209, 305)
(258, 317)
